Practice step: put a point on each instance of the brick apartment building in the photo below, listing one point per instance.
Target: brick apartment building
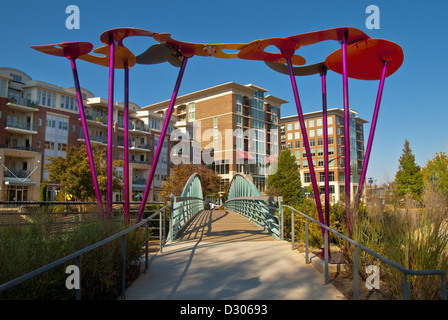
(40, 120)
(243, 111)
(291, 138)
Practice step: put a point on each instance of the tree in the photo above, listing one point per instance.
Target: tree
(435, 172)
(409, 179)
(43, 192)
(286, 180)
(210, 180)
(73, 171)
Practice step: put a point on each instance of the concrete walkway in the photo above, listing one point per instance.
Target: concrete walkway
(223, 256)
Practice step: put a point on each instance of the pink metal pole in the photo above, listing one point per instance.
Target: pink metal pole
(126, 141)
(162, 138)
(110, 124)
(372, 132)
(348, 220)
(306, 143)
(326, 164)
(87, 138)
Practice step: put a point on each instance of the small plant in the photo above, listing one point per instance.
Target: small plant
(28, 247)
(412, 235)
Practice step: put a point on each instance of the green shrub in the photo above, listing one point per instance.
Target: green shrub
(26, 248)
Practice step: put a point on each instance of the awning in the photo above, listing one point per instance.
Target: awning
(244, 155)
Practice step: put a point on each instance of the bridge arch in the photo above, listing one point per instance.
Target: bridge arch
(244, 198)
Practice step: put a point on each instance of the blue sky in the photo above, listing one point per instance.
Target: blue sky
(413, 107)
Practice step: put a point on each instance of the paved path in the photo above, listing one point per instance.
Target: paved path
(223, 256)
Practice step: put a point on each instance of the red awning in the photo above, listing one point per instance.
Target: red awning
(244, 155)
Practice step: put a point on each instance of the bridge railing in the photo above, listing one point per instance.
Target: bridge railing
(182, 210)
(78, 254)
(261, 210)
(406, 272)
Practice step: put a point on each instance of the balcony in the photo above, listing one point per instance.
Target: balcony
(139, 127)
(140, 162)
(97, 118)
(9, 146)
(20, 127)
(101, 140)
(21, 104)
(143, 146)
(139, 181)
(17, 174)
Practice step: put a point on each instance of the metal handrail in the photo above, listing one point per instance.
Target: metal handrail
(77, 255)
(406, 272)
(193, 206)
(265, 219)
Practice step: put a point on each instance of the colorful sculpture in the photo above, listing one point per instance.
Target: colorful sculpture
(359, 57)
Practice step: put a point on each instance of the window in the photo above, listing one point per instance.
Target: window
(290, 136)
(319, 122)
(319, 132)
(320, 142)
(311, 123)
(329, 120)
(297, 135)
(307, 177)
(16, 77)
(63, 125)
(297, 154)
(51, 123)
(239, 119)
(297, 144)
(68, 103)
(320, 162)
(191, 111)
(39, 122)
(312, 133)
(46, 98)
(296, 125)
(239, 100)
(330, 151)
(3, 87)
(289, 145)
(320, 152)
(330, 140)
(330, 130)
(289, 126)
(312, 143)
(305, 163)
(322, 176)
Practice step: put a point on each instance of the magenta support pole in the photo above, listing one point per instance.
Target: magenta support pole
(110, 125)
(326, 164)
(306, 142)
(87, 138)
(372, 131)
(346, 133)
(126, 141)
(162, 138)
